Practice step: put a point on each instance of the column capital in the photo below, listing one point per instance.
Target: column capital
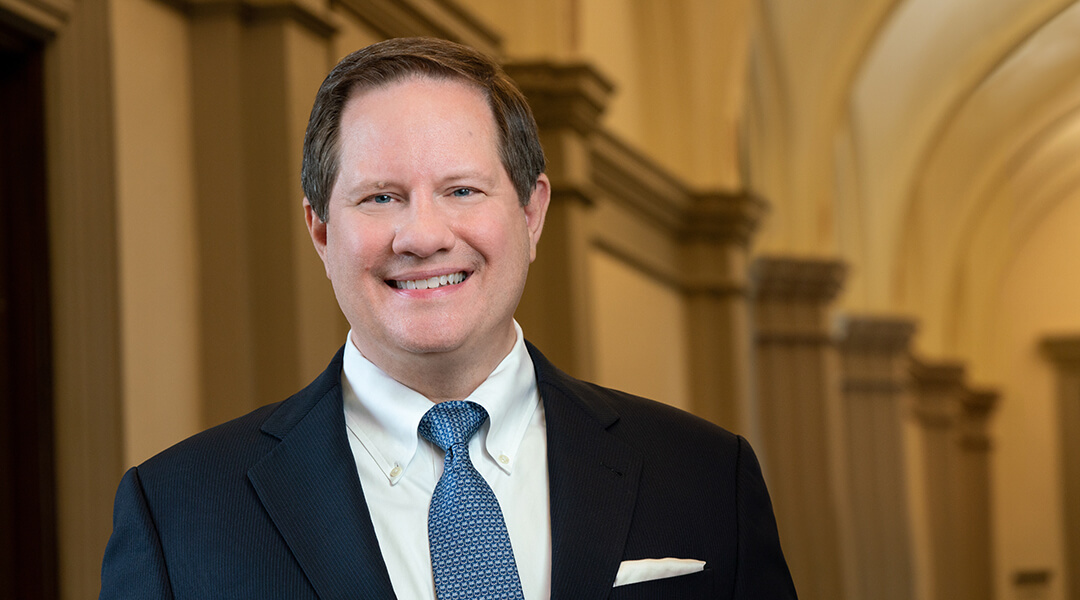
(876, 334)
(975, 409)
(1063, 351)
(809, 280)
(723, 216)
(296, 11)
(938, 387)
(572, 95)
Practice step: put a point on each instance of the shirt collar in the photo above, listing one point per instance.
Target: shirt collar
(383, 413)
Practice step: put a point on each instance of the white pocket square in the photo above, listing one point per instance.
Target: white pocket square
(648, 569)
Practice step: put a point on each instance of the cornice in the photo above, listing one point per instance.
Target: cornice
(864, 333)
(639, 184)
(296, 11)
(723, 215)
(940, 377)
(1063, 351)
(563, 95)
(40, 18)
(815, 280)
(978, 404)
(432, 18)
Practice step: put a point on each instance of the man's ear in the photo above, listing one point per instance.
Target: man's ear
(536, 211)
(317, 229)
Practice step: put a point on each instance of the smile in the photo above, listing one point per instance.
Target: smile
(430, 283)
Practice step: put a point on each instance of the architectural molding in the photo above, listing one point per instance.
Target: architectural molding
(723, 215)
(253, 11)
(861, 333)
(805, 280)
(1063, 351)
(433, 18)
(975, 410)
(39, 18)
(563, 95)
(938, 386)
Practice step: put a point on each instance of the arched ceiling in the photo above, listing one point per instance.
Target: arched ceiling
(921, 113)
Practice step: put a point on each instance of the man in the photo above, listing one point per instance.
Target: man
(440, 455)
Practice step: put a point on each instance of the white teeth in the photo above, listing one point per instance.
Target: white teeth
(431, 282)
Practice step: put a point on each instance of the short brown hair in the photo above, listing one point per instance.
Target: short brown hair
(396, 59)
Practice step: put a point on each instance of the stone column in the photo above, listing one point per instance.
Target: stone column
(567, 101)
(269, 319)
(796, 407)
(714, 250)
(875, 371)
(975, 493)
(938, 392)
(1064, 354)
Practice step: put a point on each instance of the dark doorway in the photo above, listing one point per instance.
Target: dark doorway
(28, 556)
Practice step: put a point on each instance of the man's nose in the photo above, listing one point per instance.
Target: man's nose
(424, 229)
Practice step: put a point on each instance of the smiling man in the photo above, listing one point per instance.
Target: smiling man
(440, 455)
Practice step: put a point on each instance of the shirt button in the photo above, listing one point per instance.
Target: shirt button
(504, 459)
(395, 471)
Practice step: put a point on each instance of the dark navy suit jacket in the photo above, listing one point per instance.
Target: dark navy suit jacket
(270, 505)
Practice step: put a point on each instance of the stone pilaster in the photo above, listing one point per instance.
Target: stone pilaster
(974, 507)
(567, 101)
(797, 412)
(875, 376)
(939, 390)
(714, 245)
(1064, 354)
(268, 316)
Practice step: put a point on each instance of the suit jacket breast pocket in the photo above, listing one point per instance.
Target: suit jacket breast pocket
(695, 586)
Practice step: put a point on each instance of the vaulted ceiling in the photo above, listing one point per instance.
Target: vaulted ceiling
(924, 141)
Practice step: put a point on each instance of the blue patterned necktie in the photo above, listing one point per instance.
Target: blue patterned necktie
(471, 555)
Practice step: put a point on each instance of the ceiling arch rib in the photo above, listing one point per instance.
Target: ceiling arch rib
(906, 93)
(978, 153)
(816, 51)
(1023, 194)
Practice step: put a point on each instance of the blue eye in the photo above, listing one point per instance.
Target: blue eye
(463, 192)
(382, 199)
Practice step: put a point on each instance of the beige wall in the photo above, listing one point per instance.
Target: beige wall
(1040, 300)
(640, 327)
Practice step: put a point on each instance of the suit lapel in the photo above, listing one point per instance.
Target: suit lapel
(593, 485)
(309, 486)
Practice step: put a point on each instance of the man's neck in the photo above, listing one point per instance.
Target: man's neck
(442, 376)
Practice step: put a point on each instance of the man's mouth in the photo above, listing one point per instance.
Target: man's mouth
(430, 283)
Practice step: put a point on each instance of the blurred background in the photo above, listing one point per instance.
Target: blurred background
(845, 229)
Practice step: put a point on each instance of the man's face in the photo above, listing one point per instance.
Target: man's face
(426, 243)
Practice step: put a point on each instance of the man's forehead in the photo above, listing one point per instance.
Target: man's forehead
(365, 88)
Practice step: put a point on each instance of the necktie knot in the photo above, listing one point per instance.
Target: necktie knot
(448, 424)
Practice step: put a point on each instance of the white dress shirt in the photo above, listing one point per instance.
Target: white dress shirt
(398, 469)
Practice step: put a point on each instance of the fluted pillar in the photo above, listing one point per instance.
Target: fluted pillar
(939, 390)
(875, 371)
(797, 408)
(1064, 354)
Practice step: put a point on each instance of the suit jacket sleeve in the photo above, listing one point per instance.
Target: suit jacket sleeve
(134, 565)
(762, 571)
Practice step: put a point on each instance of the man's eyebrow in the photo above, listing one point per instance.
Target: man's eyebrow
(366, 186)
(473, 174)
